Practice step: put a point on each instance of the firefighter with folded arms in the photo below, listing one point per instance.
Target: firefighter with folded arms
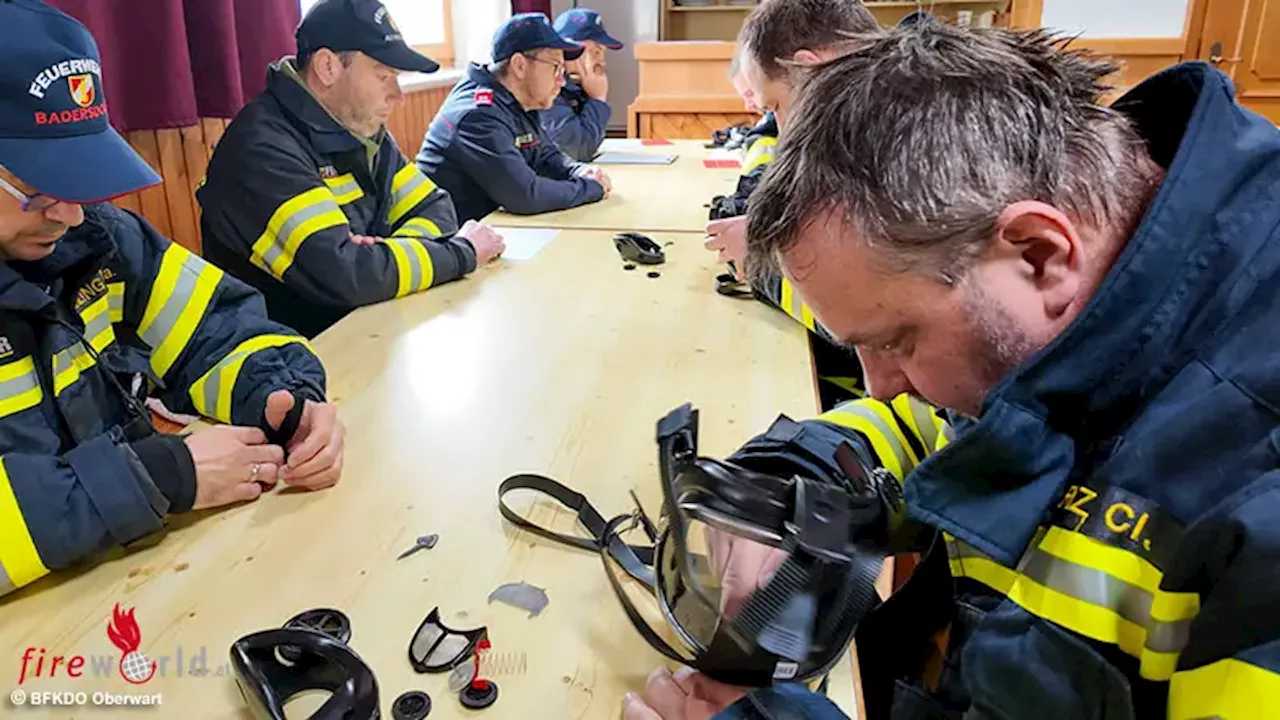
(308, 197)
(98, 312)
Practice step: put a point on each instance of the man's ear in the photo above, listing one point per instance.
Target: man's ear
(806, 57)
(327, 67)
(1045, 248)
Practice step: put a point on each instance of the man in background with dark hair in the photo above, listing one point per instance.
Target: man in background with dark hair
(308, 197)
(775, 35)
(1092, 293)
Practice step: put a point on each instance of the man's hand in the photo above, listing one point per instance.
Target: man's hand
(729, 238)
(594, 79)
(595, 172)
(364, 239)
(315, 450)
(225, 458)
(684, 695)
(742, 565)
(486, 241)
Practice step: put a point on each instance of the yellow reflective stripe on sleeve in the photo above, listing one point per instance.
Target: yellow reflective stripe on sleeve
(115, 301)
(293, 222)
(1230, 689)
(921, 418)
(1091, 588)
(413, 264)
(872, 418)
(70, 362)
(180, 296)
(19, 386)
(419, 227)
(408, 188)
(211, 394)
(761, 152)
(20, 563)
(794, 306)
(345, 189)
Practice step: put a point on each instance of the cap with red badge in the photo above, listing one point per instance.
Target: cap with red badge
(55, 134)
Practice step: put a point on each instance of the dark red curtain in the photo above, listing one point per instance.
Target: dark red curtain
(167, 63)
(523, 6)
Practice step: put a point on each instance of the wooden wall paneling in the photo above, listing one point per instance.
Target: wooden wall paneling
(193, 149)
(672, 126)
(129, 202)
(1026, 13)
(212, 129)
(155, 206)
(177, 189)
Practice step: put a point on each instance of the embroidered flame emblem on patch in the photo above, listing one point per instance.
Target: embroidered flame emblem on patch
(83, 89)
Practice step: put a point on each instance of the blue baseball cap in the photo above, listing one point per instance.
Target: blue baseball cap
(361, 25)
(581, 24)
(54, 131)
(530, 31)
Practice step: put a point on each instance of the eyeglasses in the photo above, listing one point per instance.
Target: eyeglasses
(29, 203)
(558, 66)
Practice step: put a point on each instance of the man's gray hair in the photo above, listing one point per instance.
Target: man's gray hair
(921, 136)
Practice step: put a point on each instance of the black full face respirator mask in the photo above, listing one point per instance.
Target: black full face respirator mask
(779, 490)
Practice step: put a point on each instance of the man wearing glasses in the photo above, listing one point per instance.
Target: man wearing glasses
(98, 312)
(486, 146)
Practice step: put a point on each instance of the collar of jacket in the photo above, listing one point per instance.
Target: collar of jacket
(327, 135)
(480, 76)
(1165, 297)
(20, 281)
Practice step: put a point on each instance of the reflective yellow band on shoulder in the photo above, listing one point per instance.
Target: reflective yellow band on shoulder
(874, 420)
(1230, 689)
(292, 223)
(72, 361)
(413, 265)
(794, 306)
(212, 393)
(408, 188)
(20, 563)
(419, 227)
(19, 386)
(180, 297)
(115, 301)
(1088, 587)
(761, 152)
(345, 189)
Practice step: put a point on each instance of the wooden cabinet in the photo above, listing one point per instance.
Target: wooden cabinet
(721, 19)
(1242, 37)
(684, 91)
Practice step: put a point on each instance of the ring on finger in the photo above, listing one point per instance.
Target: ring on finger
(254, 471)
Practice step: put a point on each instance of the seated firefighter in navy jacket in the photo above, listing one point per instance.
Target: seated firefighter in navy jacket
(580, 116)
(486, 146)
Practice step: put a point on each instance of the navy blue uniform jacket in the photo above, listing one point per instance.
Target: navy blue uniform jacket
(577, 122)
(489, 152)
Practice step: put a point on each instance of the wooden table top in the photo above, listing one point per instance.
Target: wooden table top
(646, 198)
(561, 365)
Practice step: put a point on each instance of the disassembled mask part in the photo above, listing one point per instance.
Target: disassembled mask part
(478, 698)
(413, 705)
(522, 595)
(326, 621)
(321, 663)
(436, 648)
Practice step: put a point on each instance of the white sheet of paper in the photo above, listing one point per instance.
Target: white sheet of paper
(633, 158)
(722, 154)
(614, 144)
(525, 243)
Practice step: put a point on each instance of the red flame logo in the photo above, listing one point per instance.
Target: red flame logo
(125, 634)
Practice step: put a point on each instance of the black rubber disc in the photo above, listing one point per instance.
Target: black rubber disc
(413, 705)
(655, 274)
(629, 266)
(479, 699)
(325, 621)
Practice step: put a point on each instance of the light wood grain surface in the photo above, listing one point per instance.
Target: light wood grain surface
(645, 198)
(561, 365)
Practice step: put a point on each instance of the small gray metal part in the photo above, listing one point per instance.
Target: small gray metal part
(426, 542)
(522, 595)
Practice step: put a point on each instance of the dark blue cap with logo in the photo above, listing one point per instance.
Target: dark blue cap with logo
(54, 131)
(363, 25)
(581, 24)
(527, 32)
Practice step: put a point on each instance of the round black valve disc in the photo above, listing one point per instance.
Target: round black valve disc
(325, 621)
(413, 705)
(477, 699)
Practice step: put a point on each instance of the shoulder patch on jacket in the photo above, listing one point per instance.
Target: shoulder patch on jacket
(483, 96)
(526, 140)
(328, 171)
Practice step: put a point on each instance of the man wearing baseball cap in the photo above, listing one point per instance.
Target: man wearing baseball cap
(98, 312)
(486, 145)
(578, 119)
(308, 197)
